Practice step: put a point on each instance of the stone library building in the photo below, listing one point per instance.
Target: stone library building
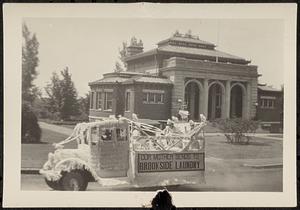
(182, 72)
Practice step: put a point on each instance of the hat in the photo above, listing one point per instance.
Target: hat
(169, 122)
(191, 122)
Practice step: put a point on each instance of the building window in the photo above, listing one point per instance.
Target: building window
(145, 97)
(267, 103)
(261, 103)
(153, 96)
(99, 100)
(108, 101)
(160, 98)
(271, 103)
(92, 100)
(127, 101)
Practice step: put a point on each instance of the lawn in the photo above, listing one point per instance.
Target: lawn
(35, 155)
(258, 148)
(276, 135)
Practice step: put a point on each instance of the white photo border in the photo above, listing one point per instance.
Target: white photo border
(13, 16)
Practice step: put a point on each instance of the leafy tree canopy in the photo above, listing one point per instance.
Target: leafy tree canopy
(30, 62)
(62, 95)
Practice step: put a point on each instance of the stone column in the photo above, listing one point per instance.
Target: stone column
(177, 93)
(227, 99)
(248, 101)
(94, 99)
(205, 98)
(132, 100)
(91, 99)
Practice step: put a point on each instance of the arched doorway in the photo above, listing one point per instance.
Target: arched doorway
(215, 100)
(237, 101)
(192, 92)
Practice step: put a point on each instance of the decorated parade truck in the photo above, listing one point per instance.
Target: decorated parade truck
(120, 152)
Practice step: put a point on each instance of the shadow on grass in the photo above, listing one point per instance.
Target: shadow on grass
(248, 144)
(42, 142)
(259, 144)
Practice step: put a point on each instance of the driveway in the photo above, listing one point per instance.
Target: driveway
(56, 128)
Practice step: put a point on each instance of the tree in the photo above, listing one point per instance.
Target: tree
(84, 106)
(69, 96)
(62, 95)
(30, 62)
(30, 130)
(118, 67)
(54, 92)
(122, 53)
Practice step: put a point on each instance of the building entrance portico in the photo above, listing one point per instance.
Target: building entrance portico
(216, 98)
(204, 97)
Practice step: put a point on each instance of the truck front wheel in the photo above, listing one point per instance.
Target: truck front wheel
(74, 181)
(55, 185)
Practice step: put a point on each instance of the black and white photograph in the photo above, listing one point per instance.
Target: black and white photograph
(130, 104)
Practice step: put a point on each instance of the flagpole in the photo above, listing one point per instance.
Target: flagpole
(218, 26)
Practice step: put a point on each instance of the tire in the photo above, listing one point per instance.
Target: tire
(74, 181)
(55, 185)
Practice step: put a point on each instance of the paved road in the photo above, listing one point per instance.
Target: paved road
(56, 128)
(255, 180)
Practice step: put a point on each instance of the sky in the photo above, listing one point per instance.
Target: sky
(90, 46)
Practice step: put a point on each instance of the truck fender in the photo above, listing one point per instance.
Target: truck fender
(70, 164)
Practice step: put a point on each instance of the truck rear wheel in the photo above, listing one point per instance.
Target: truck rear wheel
(74, 181)
(55, 185)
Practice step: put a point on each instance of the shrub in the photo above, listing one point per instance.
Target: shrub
(236, 130)
(31, 132)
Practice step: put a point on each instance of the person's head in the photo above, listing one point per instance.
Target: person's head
(170, 123)
(175, 119)
(162, 201)
(202, 118)
(192, 123)
(134, 117)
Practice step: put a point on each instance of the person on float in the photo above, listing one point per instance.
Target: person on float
(190, 126)
(171, 128)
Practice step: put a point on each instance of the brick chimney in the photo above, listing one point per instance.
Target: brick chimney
(135, 47)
